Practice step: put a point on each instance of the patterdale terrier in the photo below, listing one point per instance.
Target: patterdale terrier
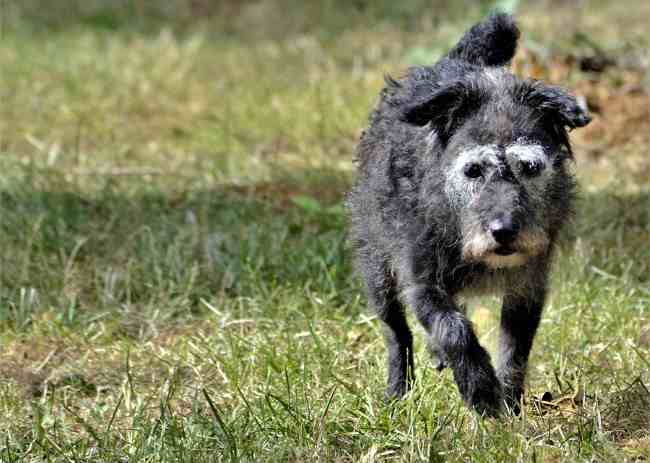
(462, 188)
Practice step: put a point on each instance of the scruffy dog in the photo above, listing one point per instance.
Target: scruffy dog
(462, 187)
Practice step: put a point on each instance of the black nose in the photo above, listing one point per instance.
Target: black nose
(504, 230)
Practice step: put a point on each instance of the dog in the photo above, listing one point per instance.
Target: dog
(462, 187)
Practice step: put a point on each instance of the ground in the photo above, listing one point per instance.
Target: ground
(175, 282)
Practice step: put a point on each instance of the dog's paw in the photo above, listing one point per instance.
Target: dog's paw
(486, 399)
(439, 364)
(479, 387)
(437, 356)
(512, 398)
(396, 391)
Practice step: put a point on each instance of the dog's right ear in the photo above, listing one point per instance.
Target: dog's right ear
(558, 109)
(445, 108)
(555, 104)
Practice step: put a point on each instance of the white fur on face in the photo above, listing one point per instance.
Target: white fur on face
(458, 189)
(478, 243)
(477, 153)
(526, 151)
(529, 152)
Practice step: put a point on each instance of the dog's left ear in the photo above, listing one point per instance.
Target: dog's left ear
(445, 107)
(556, 105)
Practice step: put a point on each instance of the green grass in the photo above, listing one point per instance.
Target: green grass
(174, 278)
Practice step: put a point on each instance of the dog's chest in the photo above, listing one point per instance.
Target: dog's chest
(483, 283)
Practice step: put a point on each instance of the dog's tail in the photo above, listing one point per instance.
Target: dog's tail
(492, 42)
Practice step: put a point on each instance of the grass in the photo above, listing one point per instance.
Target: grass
(175, 283)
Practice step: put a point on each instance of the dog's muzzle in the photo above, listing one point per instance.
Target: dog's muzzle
(505, 248)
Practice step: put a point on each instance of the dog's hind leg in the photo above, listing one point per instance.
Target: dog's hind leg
(399, 340)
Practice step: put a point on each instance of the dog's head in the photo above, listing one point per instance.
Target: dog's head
(501, 144)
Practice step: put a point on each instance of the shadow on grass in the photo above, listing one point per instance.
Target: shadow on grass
(616, 227)
(152, 248)
(236, 241)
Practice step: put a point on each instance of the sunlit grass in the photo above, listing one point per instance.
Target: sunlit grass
(175, 283)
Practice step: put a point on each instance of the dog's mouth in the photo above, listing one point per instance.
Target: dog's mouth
(504, 251)
(505, 257)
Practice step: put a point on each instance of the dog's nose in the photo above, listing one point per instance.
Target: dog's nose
(504, 230)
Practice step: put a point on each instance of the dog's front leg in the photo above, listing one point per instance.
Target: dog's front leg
(520, 316)
(455, 339)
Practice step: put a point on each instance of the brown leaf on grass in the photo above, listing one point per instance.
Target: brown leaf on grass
(563, 405)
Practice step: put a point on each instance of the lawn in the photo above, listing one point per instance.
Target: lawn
(175, 282)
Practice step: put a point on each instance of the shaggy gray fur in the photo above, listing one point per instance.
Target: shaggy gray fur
(462, 187)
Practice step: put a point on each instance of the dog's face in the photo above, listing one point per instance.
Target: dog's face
(499, 193)
(502, 144)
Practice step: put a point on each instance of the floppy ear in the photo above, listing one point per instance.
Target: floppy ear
(445, 107)
(556, 105)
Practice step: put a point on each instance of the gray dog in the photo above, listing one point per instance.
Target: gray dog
(462, 187)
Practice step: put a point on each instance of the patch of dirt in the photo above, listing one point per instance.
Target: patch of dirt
(29, 362)
(620, 113)
(39, 364)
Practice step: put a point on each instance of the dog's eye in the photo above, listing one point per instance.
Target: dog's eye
(473, 170)
(531, 168)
